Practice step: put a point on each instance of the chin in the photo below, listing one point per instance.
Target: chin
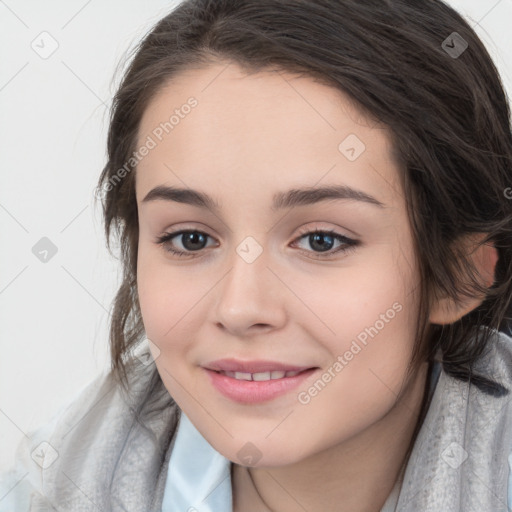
(257, 455)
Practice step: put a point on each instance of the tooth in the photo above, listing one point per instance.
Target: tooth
(243, 376)
(261, 376)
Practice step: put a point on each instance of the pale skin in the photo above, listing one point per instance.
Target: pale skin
(248, 138)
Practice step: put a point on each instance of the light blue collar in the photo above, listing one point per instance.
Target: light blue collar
(199, 477)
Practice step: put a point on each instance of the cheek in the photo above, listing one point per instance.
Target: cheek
(368, 362)
(163, 296)
(371, 315)
(373, 300)
(168, 304)
(172, 298)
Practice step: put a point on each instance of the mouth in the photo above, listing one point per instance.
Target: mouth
(260, 385)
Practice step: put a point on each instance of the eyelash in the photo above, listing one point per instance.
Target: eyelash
(350, 244)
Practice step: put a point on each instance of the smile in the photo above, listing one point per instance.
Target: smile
(252, 388)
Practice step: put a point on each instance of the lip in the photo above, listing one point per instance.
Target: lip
(250, 391)
(255, 366)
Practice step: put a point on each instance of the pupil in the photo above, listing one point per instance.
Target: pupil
(194, 238)
(319, 239)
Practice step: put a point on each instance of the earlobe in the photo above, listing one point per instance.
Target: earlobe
(445, 310)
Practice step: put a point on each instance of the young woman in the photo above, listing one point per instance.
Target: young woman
(313, 204)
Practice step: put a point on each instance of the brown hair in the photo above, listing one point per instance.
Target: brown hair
(448, 115)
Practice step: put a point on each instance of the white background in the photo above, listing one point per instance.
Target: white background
(54, 111)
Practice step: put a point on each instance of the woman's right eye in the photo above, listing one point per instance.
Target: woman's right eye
(190, 240)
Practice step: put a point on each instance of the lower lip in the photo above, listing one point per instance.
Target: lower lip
(251, 391)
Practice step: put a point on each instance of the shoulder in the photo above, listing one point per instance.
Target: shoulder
(84, 446)
(495, 363)
(463, 445)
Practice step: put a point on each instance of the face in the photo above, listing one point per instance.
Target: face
(325, 283)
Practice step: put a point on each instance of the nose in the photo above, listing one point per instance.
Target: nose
(250, 298)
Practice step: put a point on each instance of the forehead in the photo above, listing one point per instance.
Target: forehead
(266, 130)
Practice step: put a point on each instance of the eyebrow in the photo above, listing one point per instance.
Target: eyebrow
(281, 200)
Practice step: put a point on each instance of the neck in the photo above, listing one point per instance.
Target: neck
(357, 475)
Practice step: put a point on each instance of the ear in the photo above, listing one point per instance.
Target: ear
(484, 257)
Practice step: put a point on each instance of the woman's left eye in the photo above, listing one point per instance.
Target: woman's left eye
(323, 240)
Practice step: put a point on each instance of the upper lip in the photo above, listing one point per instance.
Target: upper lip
(257, 366)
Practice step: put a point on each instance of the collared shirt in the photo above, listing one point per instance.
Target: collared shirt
(199, 477)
